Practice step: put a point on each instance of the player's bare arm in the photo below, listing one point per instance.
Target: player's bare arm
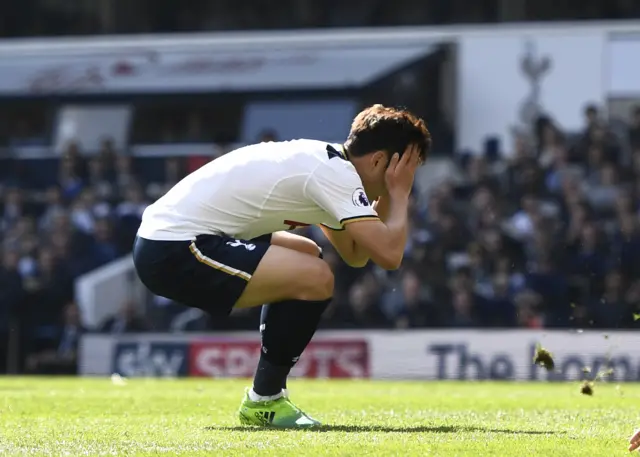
(382, 206)
(353, 255)
(385, 242)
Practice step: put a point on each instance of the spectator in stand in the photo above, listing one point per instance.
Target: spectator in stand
(50, 289)
(413, 310)
(598, 138)
(592, 120)
(105, 248)
(460, 299)
(25, 239)
(496, 307)
(54, 207)
(550, 141)
(98, 178)
(465, 310)
(108, 157)
(611, 310)
(634, 129)
(13, 208)
(558, 169)
(522, 223)
(364, 309)
(61, 357)
(70, 244)
(129, 214)
(588, 258)
(528, 313)
(602, 191)
(127, 320)
(626, 245)
(133, 203)
(174, 171)
(86, 209)
(523, 175)
(124, 173)
(70, 172)
(12, 297)
(553, 289)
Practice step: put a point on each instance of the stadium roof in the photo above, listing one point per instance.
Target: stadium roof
(144, 70)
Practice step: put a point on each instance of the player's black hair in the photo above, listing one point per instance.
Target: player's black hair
(380, 128)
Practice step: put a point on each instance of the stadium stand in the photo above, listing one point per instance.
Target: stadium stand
(546, 239)
(51, 18)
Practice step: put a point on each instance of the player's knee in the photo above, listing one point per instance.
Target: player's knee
(326, 282)
(319, 284)
(296, 243)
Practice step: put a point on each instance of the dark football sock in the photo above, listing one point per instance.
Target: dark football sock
(287, 328)
(269, 378)
(264, 369)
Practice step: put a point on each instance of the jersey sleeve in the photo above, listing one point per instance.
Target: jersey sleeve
(336, 188)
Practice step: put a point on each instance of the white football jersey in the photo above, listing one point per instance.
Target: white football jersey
(261, 189)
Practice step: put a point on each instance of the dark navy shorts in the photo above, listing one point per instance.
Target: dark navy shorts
(209, 273)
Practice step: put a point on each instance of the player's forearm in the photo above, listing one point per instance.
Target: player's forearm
(382, 207)
(383, 242)
(351, 253)
(395, 239)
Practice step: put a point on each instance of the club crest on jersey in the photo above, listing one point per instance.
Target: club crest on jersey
(359, 198)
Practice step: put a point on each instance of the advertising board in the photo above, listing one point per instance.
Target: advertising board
(220, 356)
(418, 354)
(321, 359)
(505, 355)
(150, 359)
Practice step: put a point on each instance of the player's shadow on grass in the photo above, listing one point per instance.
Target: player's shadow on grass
(385, 429)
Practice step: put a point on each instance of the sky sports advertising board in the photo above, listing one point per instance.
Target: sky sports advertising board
(446, 355)
(234, 358)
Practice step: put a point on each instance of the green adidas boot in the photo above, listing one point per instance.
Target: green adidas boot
(280, 413)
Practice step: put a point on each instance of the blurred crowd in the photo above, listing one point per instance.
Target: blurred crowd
(63, 218)
(50, 17)
(50, 237)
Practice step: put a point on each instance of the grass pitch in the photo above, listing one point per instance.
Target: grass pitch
(86, 417)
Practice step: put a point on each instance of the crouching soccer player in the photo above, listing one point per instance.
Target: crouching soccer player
(217, 240)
